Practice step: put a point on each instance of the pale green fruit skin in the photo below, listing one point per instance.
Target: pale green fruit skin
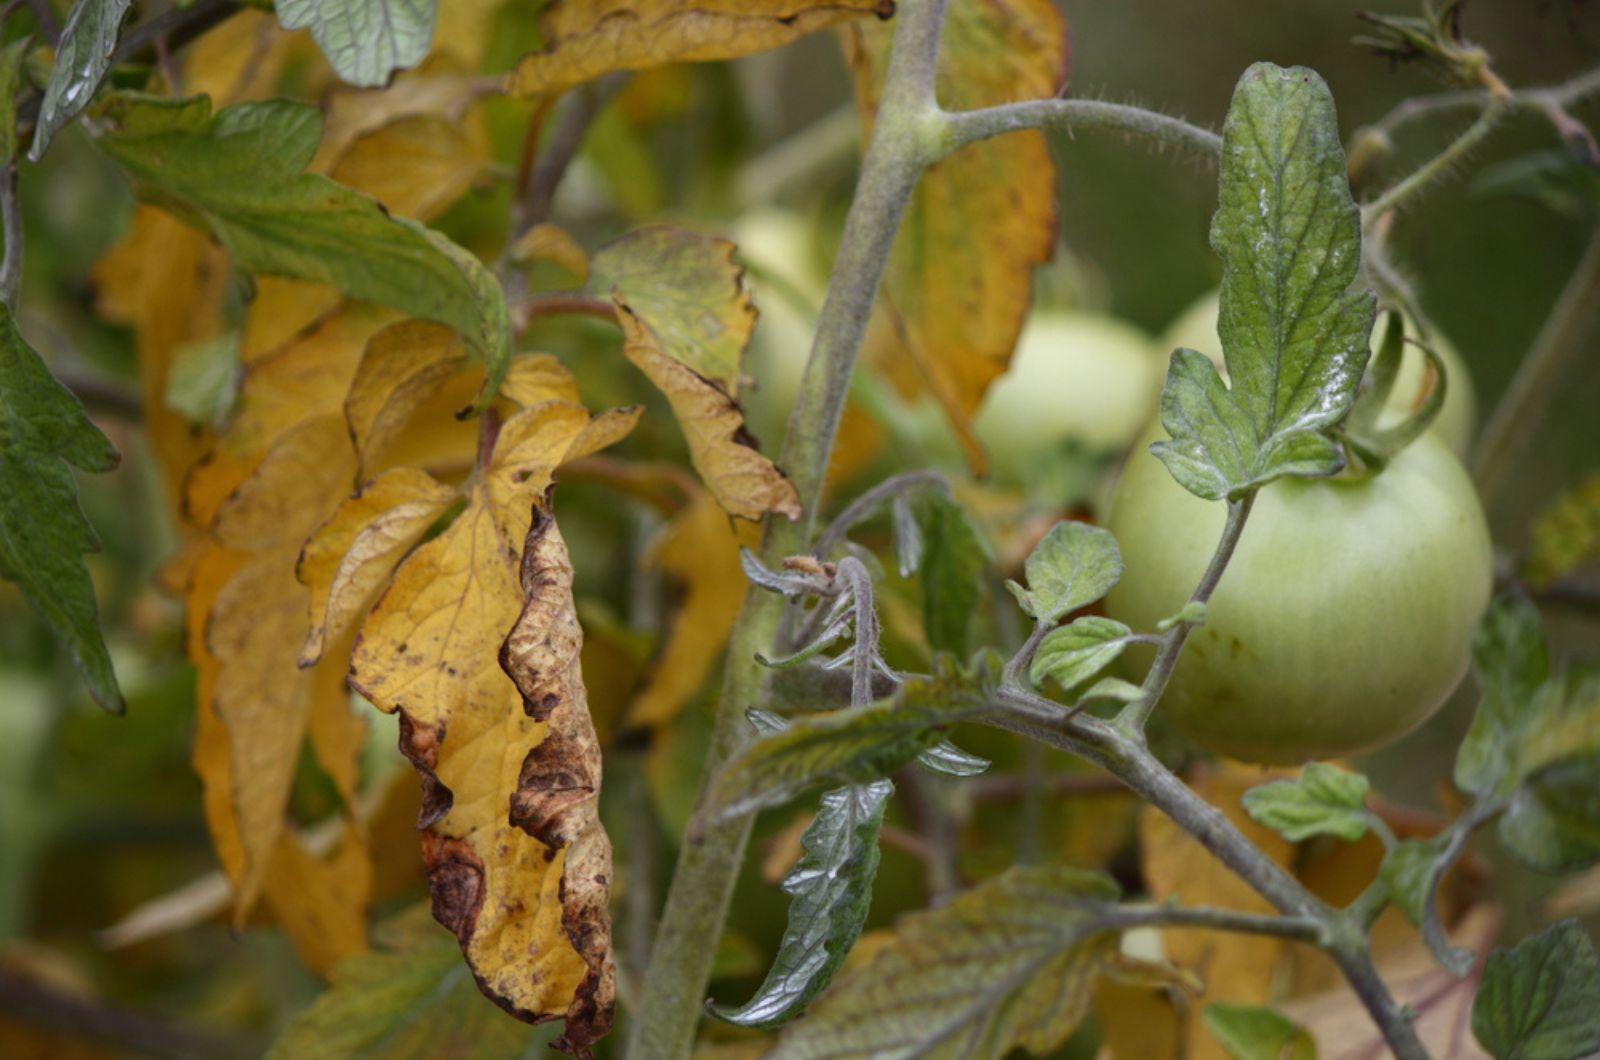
(1344, 619)
(1196, 328)
(1074, 375)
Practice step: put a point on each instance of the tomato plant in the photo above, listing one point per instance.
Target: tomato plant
(1347, 613)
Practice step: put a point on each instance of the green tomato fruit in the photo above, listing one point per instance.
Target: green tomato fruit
(1074, 375)
(1196, 328)
(1344, 619)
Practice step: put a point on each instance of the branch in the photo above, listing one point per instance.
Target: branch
(1071, 114)
(869, 502)
(1136, 714)
(11, 224)
(1300, 928)
(579, 112)
(1441, 164)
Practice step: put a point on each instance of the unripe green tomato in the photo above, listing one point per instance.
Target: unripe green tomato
(1074, 375)
(1196, 328)
(1342, 622)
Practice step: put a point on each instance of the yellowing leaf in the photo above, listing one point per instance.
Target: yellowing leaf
(239, 59)
(548, 242)
(321, 903)
(587, 38)
(305, 471)
(700, 551)
(352, 554)
(168, 308)
(960, 277)
(686, 317)
(402, 366)
(415, 166)
(511, 860)
(1178, 869)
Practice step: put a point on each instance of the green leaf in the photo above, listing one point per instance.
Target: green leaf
(43, 534)
(1540, 1000)
(82, 58)
(955, 563)
(203, 382)
(412, 997)
(1411, 870)
(1255, 1032)
(1511, 661)
(1075, 653)
(365, 41)
(1294, 320)
(1113, 688)
(945, 757)
(1075, 565)
(1322, 800)
(12, 57)
(1553, 822)
(1377, 444)
(1192, 613)
(238, 173)
(832, 889)
(1566, 535)
(1010, 964)
(852, 746)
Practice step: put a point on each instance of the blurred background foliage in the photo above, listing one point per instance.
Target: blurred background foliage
(101, 815)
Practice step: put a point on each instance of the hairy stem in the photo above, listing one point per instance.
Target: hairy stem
(1136, 714)
(702, 883)
(1441, 164)
(1560, 343)
(11, 223)
(1069, 114)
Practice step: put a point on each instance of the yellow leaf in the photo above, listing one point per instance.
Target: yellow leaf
(436, 89)
(548, 242)
(1177, 868)
(686, 318)
(402, 366)
(352, 554)
(306, 470)
(321, 903)
(240, 59)
(415, 166)
(960, 276)
(535, 378)
(519, 889)
(280, 311)
(1137, 1022)
(169, 307)
(699, 551)
(587, 38)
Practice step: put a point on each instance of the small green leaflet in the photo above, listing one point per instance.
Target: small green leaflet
(852, 746)
(1534, 742)
(832, 889)
(1075, 653)
(955, 561)
(1540, 1000)
(1566, 535)
(82, 59)
(1294, 320)
(1322, 800)
(239, 174)
(945, 757)
(43, 534)
(1010, 964)
(1412, 870)
(365, 41)
(1073, 566)
(1254, 1032)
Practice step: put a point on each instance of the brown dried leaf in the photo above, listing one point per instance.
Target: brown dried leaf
(517, 887)
(587, 38)
(686, 318)
(960, 277)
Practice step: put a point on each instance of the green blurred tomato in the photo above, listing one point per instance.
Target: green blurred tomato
(1196, 328)
(1344, 619)
(776, 247)
(1076, 375)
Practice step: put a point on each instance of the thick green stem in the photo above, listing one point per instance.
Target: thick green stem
(1506, 436)
(702, 883)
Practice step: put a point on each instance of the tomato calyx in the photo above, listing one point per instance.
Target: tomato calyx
(1371, 444)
